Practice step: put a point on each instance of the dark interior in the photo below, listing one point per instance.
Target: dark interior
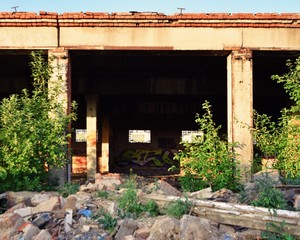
(160, 91)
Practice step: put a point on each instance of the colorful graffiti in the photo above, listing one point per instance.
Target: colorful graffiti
(79, 164)
(146, 157)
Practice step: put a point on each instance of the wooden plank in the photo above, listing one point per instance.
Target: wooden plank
(241, 215)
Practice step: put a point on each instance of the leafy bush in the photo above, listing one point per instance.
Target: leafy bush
(68, 189)
(178, 208)
(190, 183)
(281, 138)
(102, 194)
(267, 195)
(106, 220)
(267, 135)
(129, 205)
(33, 130)
(151, 207)
(270, 198)
(210, 158)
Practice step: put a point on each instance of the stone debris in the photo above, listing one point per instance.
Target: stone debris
(127, 228)
(47, 215)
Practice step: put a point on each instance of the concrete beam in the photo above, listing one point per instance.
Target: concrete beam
(58, 58)
(91, 138)
(240, 107)
(104, 160)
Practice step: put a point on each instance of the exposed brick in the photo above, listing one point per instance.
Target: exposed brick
(29, 230)
(9, 223)
(134, 19)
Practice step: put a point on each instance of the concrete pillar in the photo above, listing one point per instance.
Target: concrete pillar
(104, 160)
(59, 59)
(91, 135)
(240, 107)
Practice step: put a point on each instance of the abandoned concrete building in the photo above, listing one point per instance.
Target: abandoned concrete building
(140, 78)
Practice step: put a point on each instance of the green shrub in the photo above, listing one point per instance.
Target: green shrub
(68, 189)
(268, 196)
(190, 183)
(271, 198)
(102, 194)
(151, 207)
(209, 158)
(106, 220)
(33, 130)
(129, 205)
(280, 138)
(178, 208)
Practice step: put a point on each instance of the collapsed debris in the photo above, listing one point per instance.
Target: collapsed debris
(213, 215)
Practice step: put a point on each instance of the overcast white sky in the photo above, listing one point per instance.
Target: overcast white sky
(162, 6)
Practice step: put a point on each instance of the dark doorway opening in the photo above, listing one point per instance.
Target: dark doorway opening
(152, 91)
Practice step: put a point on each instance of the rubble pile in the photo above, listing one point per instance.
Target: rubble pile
(48, 215)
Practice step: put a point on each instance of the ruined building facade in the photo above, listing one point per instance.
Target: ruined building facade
(140, 78)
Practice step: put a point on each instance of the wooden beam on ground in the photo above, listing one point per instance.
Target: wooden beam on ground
(241, 215)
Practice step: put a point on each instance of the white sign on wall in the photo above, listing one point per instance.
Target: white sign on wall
(191, 135)
(140, 136)
(80, 135)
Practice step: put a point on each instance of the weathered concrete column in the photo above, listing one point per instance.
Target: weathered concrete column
(104, 160)
(61, 77)
(240, 106)
(91, 137)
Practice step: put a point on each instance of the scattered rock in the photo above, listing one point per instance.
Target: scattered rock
(50, 205)
(41, 197)
(165, 229)
(43, 216)
(127, 228)
(168, 189)
(9, 223)
(202, 194)
(297, 202)
(271, 175)
(110, 181)
(142, 233)
(14, 198)
(43, 235)
(28, 230)
(196, 228)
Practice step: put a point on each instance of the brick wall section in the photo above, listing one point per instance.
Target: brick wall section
(149, 19)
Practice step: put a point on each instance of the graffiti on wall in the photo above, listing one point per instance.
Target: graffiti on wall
(146, 157)
(79, 164)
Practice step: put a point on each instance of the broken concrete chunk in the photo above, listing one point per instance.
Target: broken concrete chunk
(110, 181)
(18, 206)
(91, 187)
(43, 235)
(14, 198)
(24, 211)
(9, 223)
(142, 233)
(297, 202)
(29, 230)
(168, 189)
(196, 228)
(127, 228)
(71, 203)
(49, 205)
(166, 228)
(83, 198)
(68, 220)
(38, 198)
(202, 194)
